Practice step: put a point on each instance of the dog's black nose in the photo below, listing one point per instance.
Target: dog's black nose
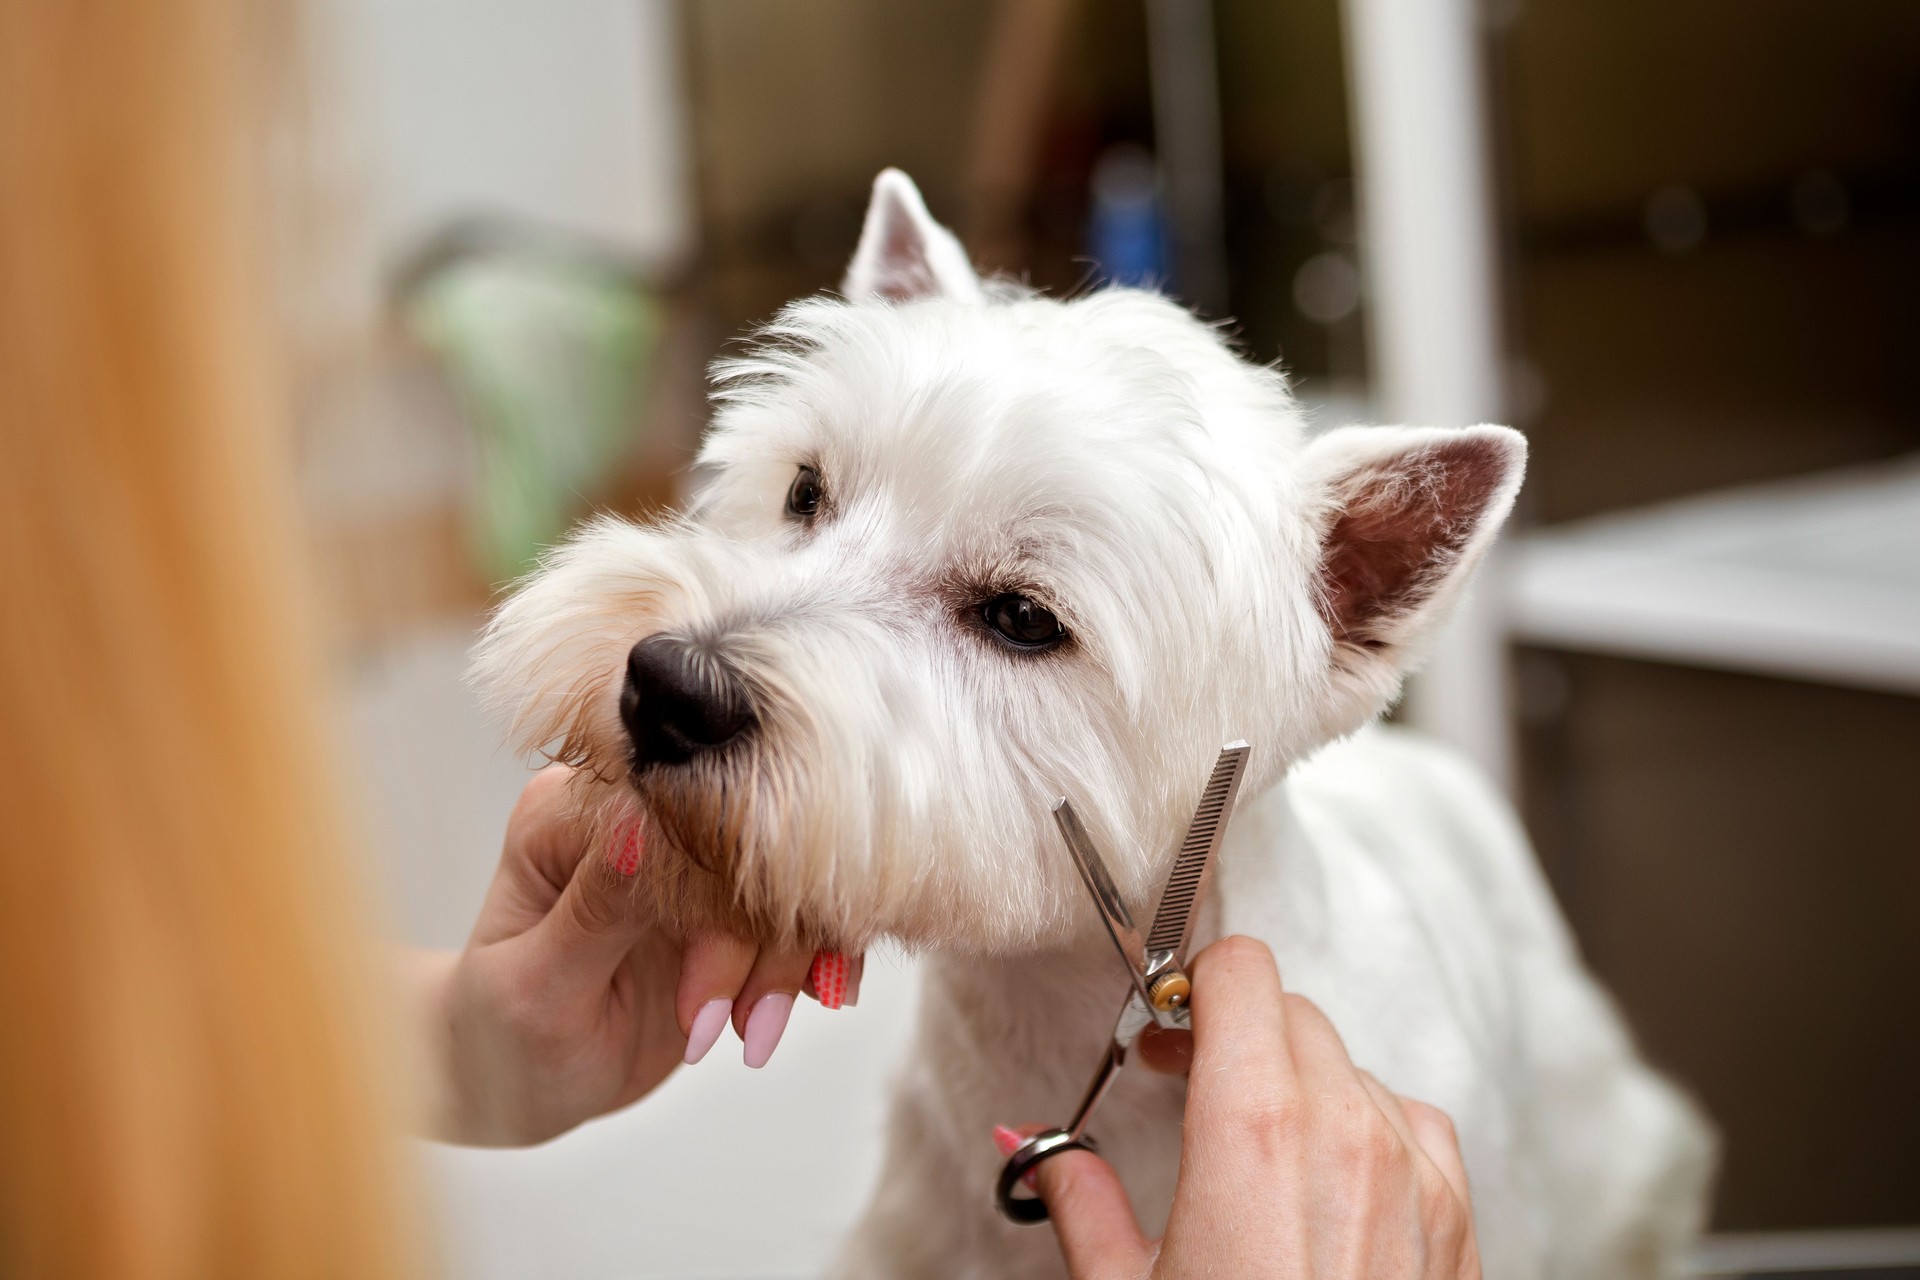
(680, 698)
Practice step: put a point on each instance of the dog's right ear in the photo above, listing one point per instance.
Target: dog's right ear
(904, 254)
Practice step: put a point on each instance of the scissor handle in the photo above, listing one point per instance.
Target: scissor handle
(1029, 1211)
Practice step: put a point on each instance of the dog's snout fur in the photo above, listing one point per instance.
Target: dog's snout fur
(680, 698)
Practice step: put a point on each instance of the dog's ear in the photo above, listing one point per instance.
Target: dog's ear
(904, 254)
(1403, 516)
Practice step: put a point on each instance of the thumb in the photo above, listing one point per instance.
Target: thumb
(1093, 1218)
(597, 919)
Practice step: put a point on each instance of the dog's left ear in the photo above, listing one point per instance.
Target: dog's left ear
(1403, 515)
(904, 255)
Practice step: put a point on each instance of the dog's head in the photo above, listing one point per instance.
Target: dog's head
(962, 549)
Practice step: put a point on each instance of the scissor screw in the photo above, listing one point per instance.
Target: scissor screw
(1170, 990)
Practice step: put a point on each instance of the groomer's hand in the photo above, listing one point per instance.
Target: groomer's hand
(569, 1001)
(1294, 1162)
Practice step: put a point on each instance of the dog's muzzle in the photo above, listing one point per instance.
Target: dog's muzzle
(681, 698)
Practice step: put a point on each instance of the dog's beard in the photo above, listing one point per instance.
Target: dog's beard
(808, 836)
(720, 832)
(774, 836)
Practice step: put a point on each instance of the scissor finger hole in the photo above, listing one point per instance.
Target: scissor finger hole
(1030, 1155)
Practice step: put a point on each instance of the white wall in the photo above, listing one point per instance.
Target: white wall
(564, 113)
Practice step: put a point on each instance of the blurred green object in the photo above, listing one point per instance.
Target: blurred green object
(549, 356)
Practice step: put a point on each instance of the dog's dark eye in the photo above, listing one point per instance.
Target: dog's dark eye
(803, 499)
(1022, 622)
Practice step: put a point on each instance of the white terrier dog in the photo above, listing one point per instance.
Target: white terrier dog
(964, 549)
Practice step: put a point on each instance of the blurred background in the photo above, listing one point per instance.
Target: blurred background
(1677, 243)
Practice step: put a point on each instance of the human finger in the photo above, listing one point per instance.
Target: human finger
(1239, 1028)
(1319, 1054)
(765, 1002)
(1433, 1130)
(1389, 1104)
(596, 921)
(1092, 1217)
(542, 846)
(1168, 1050)
(713, 968)
(1447, 1211)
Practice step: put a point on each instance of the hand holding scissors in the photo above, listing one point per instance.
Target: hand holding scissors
(1293, 1160)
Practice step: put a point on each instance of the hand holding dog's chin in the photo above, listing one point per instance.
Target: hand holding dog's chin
(569, 1001)
(1294, 1161)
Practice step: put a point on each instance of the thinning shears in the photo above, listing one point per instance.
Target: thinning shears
(1159, 987)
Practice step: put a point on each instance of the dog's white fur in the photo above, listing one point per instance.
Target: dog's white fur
(1220, 574)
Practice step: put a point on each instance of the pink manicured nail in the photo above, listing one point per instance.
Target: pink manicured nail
(765, 1025)
(707, 1025)
(830, 975)
(625, 854)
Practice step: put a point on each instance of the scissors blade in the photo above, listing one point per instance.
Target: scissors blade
(1113, 910)
(1173, 922)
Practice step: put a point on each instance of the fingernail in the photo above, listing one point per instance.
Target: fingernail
(1010, 1141)
(830, 975)
(859, 968)
(707, 1025)
(625, 854)
(765, 1025)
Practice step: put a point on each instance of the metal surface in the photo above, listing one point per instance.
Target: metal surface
(1163, 957)
(1173, 922)
(1103, 1079)
(1029, 1210)
(1113, 908)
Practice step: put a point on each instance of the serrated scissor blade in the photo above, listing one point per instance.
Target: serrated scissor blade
(1173, 921)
